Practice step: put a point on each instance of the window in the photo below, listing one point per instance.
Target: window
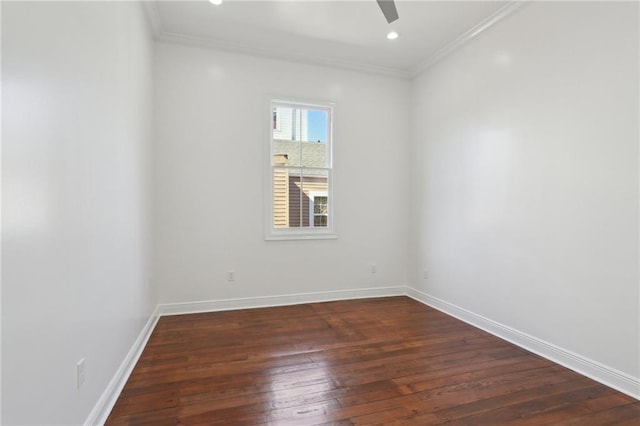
(300, 202)
(318, 209)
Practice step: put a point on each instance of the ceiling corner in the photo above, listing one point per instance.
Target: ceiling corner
(507, 10)
(151, 9)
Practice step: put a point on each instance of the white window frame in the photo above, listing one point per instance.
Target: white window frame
(298, 233)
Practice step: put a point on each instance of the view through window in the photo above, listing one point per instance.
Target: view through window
(300, 158)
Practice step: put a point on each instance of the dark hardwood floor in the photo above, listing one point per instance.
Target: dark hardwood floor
(372, 361)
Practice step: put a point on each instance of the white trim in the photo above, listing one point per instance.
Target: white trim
(282, 300)
(302, 236)
(608, 376)
(464, 38)
(103, 407)
(162, 35)
(278, 54)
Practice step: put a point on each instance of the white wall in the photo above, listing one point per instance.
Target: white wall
(526, 158)
(213, 123)
(76, 174)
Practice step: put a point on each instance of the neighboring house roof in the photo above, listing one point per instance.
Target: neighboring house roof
(314, 154)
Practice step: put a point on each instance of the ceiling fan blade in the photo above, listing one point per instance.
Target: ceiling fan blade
(389, 10)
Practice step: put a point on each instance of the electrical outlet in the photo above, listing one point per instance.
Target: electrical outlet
(425, 274)
(231, 275)
(374, 268)
(80, 373)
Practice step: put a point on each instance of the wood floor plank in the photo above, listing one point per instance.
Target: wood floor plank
(355, 362)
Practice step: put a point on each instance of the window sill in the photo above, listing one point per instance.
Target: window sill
(301, 236)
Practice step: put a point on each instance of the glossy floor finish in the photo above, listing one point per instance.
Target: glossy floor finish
(372, 361)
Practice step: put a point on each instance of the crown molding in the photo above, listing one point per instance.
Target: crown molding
(205, 42)
(464, 38)
(160, 34)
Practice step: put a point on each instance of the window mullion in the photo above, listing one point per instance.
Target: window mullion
(301, 197)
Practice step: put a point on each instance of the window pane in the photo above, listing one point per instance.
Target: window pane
(300, 135)
(281, 197)
(314, 154)
(298, 200)
(286, 153)
(299, 196)
(317, 126)
(320, 205)
(320, 221)
(316, 187)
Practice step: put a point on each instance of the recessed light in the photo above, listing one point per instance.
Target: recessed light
(392, 35)
(216, 2)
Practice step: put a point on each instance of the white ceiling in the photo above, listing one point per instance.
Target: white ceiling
(343, 33)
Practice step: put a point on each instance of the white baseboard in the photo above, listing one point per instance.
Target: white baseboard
(283, 300)
(580, 364)
(103, 407)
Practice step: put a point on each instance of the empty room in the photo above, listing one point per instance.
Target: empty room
(320, 212)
